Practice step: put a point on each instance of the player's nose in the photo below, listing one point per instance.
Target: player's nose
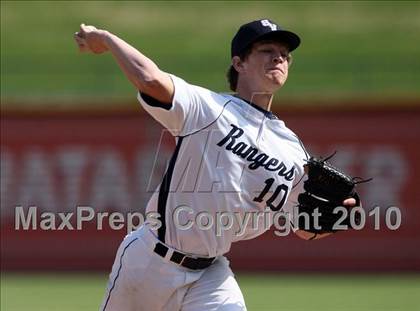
(278, 58)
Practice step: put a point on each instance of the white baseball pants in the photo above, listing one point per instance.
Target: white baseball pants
(142, 280)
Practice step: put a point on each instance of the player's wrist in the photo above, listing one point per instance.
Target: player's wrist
(106, 37)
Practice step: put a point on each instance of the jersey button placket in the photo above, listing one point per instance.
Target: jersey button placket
(260, 136)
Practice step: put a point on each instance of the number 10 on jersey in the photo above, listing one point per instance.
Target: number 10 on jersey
(280, 190)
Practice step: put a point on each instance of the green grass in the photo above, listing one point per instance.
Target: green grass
(331, 293)
(63, 292)
(350, 49)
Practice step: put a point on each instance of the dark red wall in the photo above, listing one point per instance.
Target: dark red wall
(56, 161)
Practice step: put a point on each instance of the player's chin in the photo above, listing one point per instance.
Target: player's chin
(276, 80)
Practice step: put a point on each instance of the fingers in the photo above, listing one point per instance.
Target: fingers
(81, 43)
(82, 32)
(86, 28)
(85, 38)
(349, 202)
(80, 37)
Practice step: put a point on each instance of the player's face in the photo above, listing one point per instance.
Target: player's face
(267, 66)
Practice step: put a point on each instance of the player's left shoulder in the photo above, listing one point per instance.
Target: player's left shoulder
(295, 147)
(290, 136)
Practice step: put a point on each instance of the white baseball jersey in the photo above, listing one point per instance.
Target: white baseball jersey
(231, 158)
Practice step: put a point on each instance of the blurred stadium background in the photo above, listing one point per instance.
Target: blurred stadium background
(72, 134)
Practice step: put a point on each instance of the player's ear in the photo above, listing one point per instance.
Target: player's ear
(237, 63)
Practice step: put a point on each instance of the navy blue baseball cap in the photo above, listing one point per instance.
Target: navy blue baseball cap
(263, 29)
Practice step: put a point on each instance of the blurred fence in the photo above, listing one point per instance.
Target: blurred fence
(112, 162)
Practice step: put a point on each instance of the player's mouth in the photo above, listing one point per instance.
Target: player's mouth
(275, 69)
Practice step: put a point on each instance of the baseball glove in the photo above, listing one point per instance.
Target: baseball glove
(326, 188)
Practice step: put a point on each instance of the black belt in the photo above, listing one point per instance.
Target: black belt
(193, 263)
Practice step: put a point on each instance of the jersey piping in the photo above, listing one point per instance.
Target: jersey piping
(166, 182)
(164, 191)
(203, 128)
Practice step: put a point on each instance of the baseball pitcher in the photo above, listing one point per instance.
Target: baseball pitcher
(233, 159)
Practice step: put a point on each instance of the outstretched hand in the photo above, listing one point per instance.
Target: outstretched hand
(90, 39)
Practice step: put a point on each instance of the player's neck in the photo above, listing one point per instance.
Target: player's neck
(261, 99)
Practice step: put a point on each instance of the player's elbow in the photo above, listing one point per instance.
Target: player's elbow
(157, 85)
(144, 73)
(148, 83)
(145, 80)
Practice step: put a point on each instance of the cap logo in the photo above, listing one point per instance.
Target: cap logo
(266, 23)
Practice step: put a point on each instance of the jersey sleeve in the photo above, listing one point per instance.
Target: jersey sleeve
(192, 108)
